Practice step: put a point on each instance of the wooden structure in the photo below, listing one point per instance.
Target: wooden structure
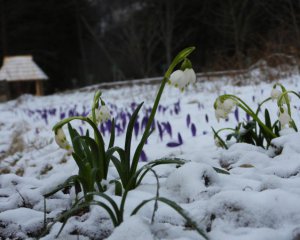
(19, 75)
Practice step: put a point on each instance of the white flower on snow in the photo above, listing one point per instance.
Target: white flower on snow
(223, 108)
(182, 79)
(283, 117)
(61, 140)
(275, 94)
(228, 105)
(220, 113)
(102, 114)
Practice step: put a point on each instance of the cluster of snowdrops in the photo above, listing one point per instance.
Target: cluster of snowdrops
(93, 157)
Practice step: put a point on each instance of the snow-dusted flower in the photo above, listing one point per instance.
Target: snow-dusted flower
(222, 109)
(61, 140)
(275, 93)
(228, 105)
(220, 113)
(102, 114)
(181, 79)
(283, 117)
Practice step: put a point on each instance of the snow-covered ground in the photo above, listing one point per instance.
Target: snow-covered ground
(260, 199)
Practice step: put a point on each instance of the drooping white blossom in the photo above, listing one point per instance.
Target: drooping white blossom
(228, 105)
(284, 117)
(181, 79)
(220, 113)
(222, 109)
(275, 94)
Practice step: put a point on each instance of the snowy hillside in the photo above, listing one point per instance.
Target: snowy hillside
(258, 200)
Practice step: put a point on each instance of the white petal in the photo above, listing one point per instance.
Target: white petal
(177, 78)
(220, 113)
(190, 75)
(228, 105)
(275, 93)
(284, 118)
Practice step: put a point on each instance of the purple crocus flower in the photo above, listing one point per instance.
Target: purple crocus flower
(108, 125)
(193, 129)
(44, 115)
(176, 144)
(102, 129)
(62, 115)
(188, 120)
(167, 126)
(247, 117)
(136, 128)
(52, 111)
(133, 106)
(81, 131)
(206, 118)
(160, 131)
(143, 157)
(177, 107)
(144, 122)
(236, 114)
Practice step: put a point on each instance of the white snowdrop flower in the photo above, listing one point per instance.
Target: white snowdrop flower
(190, 75)
(223, 108)
(61, 140)
(228, 105)
(102, 114)
(275, 94)
(181, 79)
(283, 117)
(220, 113)
(177, 79)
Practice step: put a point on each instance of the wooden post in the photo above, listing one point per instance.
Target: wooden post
(38, 88)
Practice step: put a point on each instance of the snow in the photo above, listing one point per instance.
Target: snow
(258, 200)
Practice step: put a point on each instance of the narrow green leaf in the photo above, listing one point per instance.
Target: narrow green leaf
(129, 131)
(112, 134)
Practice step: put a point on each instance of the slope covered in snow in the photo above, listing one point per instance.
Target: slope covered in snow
(258, 200)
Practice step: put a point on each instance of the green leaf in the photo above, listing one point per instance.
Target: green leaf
(112, 134)
(268, 119)
(129, 135)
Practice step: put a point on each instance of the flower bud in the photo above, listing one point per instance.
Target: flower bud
(61, 140)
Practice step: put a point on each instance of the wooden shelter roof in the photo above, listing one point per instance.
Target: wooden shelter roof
(21, 68)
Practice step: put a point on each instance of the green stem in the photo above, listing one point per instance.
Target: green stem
(179, 58)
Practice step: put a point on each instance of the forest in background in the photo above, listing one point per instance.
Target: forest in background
(83, 42)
